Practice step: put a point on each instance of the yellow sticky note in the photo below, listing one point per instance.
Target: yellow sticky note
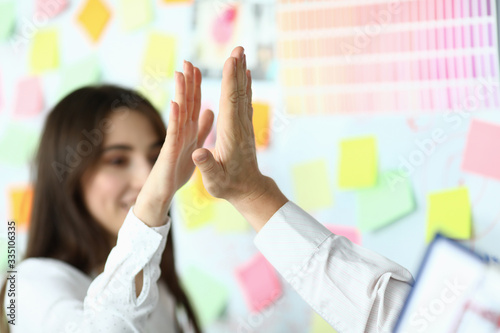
(21, 200)
(358, 163)
(312, 185)
(135, 14)
(157, 96)
(319, 325)
(261, 116)
(159, 60)
(196, 205)
(178, 1)
(449, 212)
(45, 51)
(94, 17)
(227, 219)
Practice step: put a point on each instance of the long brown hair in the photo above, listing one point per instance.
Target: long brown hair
(61, 227)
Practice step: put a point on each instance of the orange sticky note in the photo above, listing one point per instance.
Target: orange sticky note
(261, 115)
(94, 17)
(21, 200)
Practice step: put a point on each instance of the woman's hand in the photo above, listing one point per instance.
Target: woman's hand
(174, 165)
(232, 172)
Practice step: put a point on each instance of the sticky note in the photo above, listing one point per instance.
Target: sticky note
(157, 96)
(195, 204)
(389, 200)
(208, 296)
(178, 1)
(45, 51)
(224, 24)
(227, 219)
(449, 212)
(481, 155)
(351, 233)
(259, 282)
(29, 99)
(82, 73)
(135, 14)
(50, 8)
(319, 325)
(93, 18)
(21, 201)
(159, 59)
(18, 144)
(358, 163)
(7, 19)
(312, 185)
(260, 119)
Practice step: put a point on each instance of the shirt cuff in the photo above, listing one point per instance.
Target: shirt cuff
(290, 237)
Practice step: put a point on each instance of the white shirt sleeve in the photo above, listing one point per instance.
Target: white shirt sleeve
(50, 301)
(352, 288)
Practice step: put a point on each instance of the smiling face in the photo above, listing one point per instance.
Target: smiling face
(129, 151)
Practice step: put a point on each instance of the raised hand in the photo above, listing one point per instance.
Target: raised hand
(186, 132)
(231, 172)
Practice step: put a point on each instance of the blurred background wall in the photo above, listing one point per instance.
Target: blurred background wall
(380, 118)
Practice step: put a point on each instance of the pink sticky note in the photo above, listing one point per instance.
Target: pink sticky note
(223, 26)
(481, 151)
(50, 8)
(351, 233)
(29, 101)
(259, 282)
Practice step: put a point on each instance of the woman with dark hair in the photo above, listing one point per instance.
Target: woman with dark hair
(100, 254)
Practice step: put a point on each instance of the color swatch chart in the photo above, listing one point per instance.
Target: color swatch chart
(341, 56)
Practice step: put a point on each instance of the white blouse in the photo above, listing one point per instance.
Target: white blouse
(352, 288)
(54, 297)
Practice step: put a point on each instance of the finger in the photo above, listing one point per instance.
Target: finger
(197, 94)
(209, 168)
(205, 125)
(189, 74)
(173, 121)
(180, 95)
(239, 54)
(249, 95)
(229, 92)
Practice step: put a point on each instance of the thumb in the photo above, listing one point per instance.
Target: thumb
(205, 161)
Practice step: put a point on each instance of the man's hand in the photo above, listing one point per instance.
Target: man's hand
(232, 172)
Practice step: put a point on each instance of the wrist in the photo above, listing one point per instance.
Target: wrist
(152, 213)
(259, 205)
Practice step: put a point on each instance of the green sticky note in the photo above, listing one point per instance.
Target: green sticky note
(319, 325)
(228, 219)
(45, 51)
(208, 296)
(358, 163)
(7, 18)
(390, 199)
(18, 144)
(312, 185)
(135, 13)
(159, 59)
(449, 212)
(84, 72)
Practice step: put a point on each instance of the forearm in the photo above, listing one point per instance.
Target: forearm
(261, 204)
